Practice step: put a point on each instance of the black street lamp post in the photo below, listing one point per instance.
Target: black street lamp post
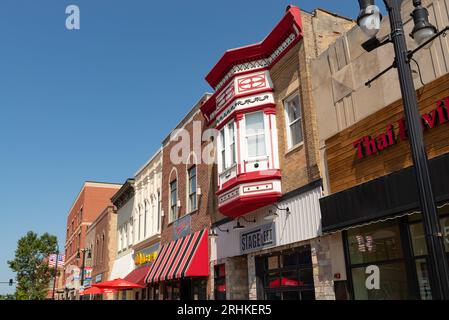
(423, 33)
(83, 265)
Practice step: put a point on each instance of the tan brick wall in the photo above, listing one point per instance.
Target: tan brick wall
(292, 74)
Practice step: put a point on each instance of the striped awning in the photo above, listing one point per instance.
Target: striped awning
(185, 257)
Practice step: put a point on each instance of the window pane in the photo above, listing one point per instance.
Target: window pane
(223, 149)
(296, 133)
(418, 239)
(290, 295)
(423, 279)
(293, 109)
(290, 279)
(254, 123)
(392, 283)
(306, 277)
(290, 259)
(274, 296)
(445, 227)
(308, 295)
(273, 262)
(256, 146)
(377, 242)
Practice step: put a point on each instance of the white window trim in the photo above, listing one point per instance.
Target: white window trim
(289, 124)
(189, 208)
(227, 163)
(172, 218)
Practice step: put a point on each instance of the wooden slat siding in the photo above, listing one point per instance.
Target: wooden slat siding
(347, 171)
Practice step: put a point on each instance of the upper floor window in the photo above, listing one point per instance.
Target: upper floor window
(255, 134)
(293, 119)
(227, 146)
(131, 232)
(192, 189)
(120, 240)
(173, 200)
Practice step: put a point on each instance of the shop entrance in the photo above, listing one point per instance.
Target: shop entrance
(286, 275)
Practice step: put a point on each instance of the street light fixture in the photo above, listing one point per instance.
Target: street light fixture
(423, 33)
(213, 231)
(423, 29)
(369, 17)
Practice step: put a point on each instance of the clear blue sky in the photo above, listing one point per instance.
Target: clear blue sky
(95, 103)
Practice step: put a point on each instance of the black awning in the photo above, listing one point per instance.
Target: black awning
(384, 197)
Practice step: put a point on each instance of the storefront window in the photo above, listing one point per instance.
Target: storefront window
(392, 283)
(220, 282)
(199, 289)
(418, 239)
(376, 242)
(423, 279)
(287, 275)
(377, 262)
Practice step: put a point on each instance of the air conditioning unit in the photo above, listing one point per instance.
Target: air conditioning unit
(178, 203)
(198, 191)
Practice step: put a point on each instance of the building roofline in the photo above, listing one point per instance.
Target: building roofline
(89, 183)
(129, 184)
(334, 14)
(186, 119)
(154, 156)
(231, 57)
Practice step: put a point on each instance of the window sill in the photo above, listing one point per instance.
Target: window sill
(295, 148)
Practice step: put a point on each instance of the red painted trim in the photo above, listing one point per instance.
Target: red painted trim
(247, 204)
(257, 51)
(242, 95)
(241, 112)
(256, 185)
(250, 177)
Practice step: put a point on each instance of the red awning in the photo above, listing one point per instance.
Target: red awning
(284, 282)
(138, 275)
(96, 290)
(185, 257)
(118, 284)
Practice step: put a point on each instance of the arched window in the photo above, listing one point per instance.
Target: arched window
(102, 248)
(173, 197)
(146, 219)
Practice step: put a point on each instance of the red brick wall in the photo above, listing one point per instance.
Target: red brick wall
(200, 218)
(93, 199)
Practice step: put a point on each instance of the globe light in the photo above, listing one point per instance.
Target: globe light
(369, 17)
(423, 30)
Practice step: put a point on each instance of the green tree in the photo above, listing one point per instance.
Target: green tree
(30, 265)
(7, 297)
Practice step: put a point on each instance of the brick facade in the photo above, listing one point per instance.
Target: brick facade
(89, 204)
(201, 217)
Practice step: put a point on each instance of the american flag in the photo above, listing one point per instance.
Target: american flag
(52, 260)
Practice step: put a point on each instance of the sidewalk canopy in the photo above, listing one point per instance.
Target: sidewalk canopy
(119, 284)
(185, 257)
(138, 275)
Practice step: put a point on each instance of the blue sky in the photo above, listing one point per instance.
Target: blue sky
(95, 103)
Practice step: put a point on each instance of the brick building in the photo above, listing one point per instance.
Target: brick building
(187, 202)
(269, 179)
(101, 240)
(89, 203)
